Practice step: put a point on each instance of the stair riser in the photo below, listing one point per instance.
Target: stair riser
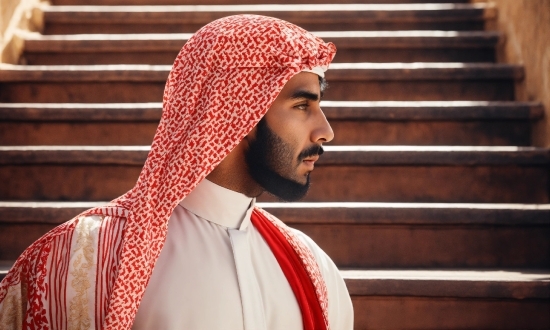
(384, 246)
(88, 92)
(401, 246)
(15, 238)
(343, 56)
(444, 90)
(90, 28)
(77, 133)
(482, 133)
(498, 184)
(449, 313)
(491, 184)
(472, 133)
(412, 90)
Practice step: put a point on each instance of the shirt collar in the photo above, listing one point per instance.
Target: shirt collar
(219, 205)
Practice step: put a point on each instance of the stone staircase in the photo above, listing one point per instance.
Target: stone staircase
(430, 198)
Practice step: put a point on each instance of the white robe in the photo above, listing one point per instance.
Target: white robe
(217, 272)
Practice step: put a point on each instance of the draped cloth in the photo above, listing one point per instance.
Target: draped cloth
(91, 272)
(313, 303)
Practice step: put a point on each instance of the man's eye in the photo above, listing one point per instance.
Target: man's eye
(301, 106)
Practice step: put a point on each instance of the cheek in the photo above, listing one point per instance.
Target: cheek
(294, 133)
(294, 142)
(291, 127)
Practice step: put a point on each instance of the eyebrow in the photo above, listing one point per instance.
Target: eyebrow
(301, 94)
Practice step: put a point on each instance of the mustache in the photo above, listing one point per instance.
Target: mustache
(311, 151)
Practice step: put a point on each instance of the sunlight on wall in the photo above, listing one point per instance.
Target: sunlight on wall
(526, 26)
(17, 15)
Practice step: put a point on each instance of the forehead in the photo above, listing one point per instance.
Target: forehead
(303, 81)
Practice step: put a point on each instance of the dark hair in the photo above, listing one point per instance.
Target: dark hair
(323, 83)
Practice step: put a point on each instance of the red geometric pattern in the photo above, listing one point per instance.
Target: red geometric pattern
(223, 81)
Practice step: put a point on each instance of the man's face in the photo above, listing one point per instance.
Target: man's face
(287, 141)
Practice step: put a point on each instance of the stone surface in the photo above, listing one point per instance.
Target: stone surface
(526, 24)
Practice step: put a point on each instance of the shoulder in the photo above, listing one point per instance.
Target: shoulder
(61, 237)
(323, 260)
(82, 225)
(340, 305)
(325, 263)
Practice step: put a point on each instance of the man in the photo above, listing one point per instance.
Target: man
(187, 248)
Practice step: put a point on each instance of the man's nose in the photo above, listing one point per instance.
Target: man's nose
(322, 132)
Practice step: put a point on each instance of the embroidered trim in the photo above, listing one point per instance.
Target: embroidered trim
(12, 309)
(78, 307)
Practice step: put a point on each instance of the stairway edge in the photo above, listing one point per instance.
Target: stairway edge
(334, 110)
(441, 214)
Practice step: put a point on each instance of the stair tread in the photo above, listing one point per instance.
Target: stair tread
(487, 284)
(335, 110)
(514, 284)
(334, 155)
(297, 13)
(344, 39)
(411, 213)
(367, 213)
(338, 71)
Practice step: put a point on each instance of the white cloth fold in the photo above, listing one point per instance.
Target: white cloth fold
(320, 71)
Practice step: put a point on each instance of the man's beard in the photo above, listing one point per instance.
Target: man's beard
(270, 160)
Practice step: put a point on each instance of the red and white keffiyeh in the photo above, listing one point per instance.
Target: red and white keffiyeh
(91, 272)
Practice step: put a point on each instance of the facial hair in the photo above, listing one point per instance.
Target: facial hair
(271, 162)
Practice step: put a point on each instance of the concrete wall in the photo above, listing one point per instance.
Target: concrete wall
(16, 16)
(526, 26)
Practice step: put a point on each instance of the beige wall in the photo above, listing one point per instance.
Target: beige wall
(526, 26)
(16, 16)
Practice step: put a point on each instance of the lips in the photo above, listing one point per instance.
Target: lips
(310, 161)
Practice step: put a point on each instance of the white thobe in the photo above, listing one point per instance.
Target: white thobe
(217, 272)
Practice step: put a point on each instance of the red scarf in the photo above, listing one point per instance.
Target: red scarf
(295, 272)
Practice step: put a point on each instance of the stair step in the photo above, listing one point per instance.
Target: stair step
(353, 46)
(344, 173)
(362, 234)
(351, 81)
(406, 235)
(22, 223)
(362, 123)
(450, 299)
(163, 17)
(444, 299)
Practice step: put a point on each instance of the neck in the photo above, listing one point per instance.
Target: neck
(232, 173)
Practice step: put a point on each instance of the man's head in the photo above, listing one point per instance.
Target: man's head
(223, 81)
(285, 144)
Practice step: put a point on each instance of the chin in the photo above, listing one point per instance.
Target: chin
(303, 179)
(289, 189)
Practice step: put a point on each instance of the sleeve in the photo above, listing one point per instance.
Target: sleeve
(29, 288)
(339, 301)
